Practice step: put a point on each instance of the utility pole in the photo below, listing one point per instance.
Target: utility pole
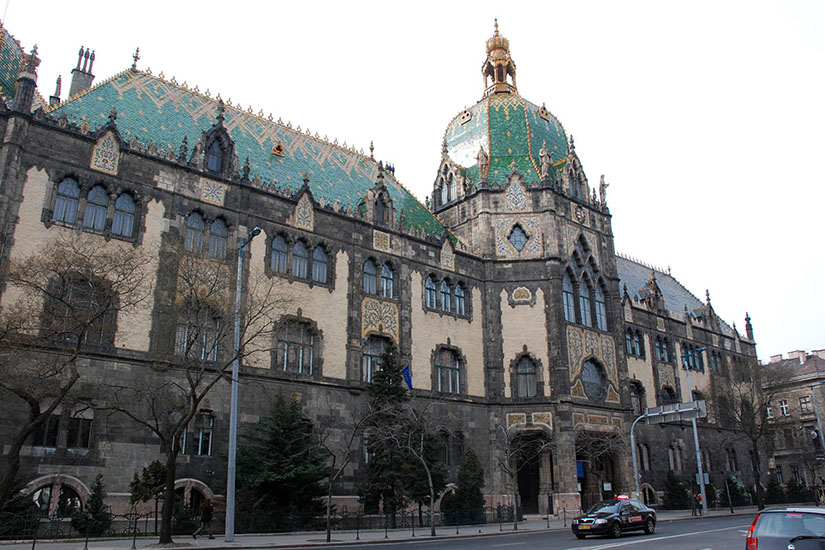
(686, 364)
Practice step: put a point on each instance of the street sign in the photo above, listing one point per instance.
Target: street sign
(676, 411)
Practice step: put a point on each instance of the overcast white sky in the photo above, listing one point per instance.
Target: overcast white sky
(706, 117)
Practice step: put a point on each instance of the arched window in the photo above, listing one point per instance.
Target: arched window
(459, 300)
(601, 313)
(279, 255)
(526, 379)
(644, 457)
(214, 158)
(371, 356)
(65, 207)
(584, 304)
(369, 277)
(567, 300)
(295, 350)
(637, 344)
(594, 380)
(637, 396)
(218, 233)
(197, 338)
(628, 341)
(319, 265)
(96, 205)
(380, 211)
(194, 232)
(667, 396)
(451, 195)
(445, 296)
(299, 260)
(387, 277)
(123, 222)
(665, 350)
(518, 238)
(429, 293)
(448, 371)
(444, 197)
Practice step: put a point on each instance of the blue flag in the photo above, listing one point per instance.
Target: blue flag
(407, 373)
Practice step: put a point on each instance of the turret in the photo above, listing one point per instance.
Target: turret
(498, 66)
(26, 83)
(82, 77)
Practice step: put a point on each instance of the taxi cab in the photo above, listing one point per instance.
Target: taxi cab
(615, 516)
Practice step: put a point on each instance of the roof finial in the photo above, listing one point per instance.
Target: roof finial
(306, 177)
(113, 114)
(495, 24)
(136, 56)
(246, 169)
(221, 110)
(58, 85)
(572, 144)
(372, 150)
(79, 58)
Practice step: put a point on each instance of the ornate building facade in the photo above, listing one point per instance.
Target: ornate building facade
(503, 292)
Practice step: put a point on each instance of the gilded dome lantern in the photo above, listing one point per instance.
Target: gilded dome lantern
(498, 66)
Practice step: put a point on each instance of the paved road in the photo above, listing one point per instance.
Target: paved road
(698, 534)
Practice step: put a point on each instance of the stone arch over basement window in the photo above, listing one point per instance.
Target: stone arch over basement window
(46, 493)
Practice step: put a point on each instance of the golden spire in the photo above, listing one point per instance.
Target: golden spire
(499, 65)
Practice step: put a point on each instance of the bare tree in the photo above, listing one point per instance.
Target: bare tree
(515, 449)
(339, 438)
(202, 308)
(743, 403)
(58, 303)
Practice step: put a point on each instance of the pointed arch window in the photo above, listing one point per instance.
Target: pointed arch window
(451, 195)
(628, 341)
(594, 380)
(96, 205)
(667, 396)
(194, 232)
(584, 305)
(299, 260)
(319, 265)
(218, 233)
(371, 356)
(296, 347)
(601, 313)
(444, 194)
(369, 277)
(430, 293)
(448, 371)
(380, 211)
(459, 300)
(279, 255)
(445, 296)
(123, 223)
(567, 300)
(526, 379)
(518, 238)
(214, 158)
(68, 195)
(387, 279)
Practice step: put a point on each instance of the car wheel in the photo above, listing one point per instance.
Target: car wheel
(580, 535)
(650, 525)
(615, 530)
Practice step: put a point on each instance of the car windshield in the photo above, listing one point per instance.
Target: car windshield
(789, 524)
(605, 507)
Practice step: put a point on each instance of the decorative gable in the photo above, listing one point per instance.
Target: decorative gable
(515, 196)
(304, 215)
(447, 256)
(106, 154)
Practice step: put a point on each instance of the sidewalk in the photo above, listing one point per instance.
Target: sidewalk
(318, 538)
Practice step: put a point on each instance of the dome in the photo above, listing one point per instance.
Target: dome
(511, 130)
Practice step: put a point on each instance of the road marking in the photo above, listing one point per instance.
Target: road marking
(510, 544)
(644, 541)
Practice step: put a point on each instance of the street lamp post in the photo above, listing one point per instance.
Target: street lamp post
(686, 364)
(229, 532)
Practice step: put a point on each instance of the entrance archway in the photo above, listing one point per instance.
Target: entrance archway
(531, 461)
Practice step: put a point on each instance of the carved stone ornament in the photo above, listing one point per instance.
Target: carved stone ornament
(522, 294)
(516, 418)
(304, 215)
(380, 318)
(381, 241)
(212, 191)
(447, 256)
(106, 154)
(543, 418)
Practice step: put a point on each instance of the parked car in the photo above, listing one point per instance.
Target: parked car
(615, 516)
(787, 529)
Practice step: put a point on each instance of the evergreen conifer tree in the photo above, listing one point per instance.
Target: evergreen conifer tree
(96, 518)
(470, 485)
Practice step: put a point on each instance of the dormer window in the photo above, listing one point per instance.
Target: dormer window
(214, 158)
(380, 212)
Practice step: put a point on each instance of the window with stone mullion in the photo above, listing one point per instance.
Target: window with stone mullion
(448, 372)
(526, 379)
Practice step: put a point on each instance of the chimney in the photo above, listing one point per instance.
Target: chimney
(798, 354)
(82, 77)
(26, 83)
(776, 358)
(54, 100)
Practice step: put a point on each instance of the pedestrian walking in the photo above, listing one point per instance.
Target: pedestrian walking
(206, 519)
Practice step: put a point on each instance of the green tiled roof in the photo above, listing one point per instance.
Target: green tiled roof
(157, 111)
(512, 132)
(11, 61)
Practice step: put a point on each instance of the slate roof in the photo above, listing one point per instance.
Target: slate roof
(636, 275)
(158, 111)
(511, 131)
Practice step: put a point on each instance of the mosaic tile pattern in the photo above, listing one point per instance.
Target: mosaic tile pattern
(162, 113)
(512, 132)
(106, 154)
(515, 196)
(379, 317)
(447, 257)
(11, 60)
(304, 215)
